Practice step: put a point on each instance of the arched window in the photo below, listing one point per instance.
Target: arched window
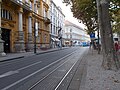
(6, 14)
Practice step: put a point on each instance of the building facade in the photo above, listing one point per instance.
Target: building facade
(23, 22)
(57, 24)
(74, 35)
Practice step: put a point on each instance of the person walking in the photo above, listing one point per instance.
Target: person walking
(119, 47)
(116, 47)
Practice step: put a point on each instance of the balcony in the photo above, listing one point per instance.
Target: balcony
(47, 20)
(25, 5)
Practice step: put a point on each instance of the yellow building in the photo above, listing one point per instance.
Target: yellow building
(20, 19)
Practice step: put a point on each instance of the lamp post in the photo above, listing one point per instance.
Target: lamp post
(71, 41)
(35, 27)
(35, 9)
(60, 36)
(35, 37)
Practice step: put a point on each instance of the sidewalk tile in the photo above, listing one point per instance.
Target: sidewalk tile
(97, 78)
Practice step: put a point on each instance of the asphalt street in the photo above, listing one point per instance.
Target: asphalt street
(39, 72)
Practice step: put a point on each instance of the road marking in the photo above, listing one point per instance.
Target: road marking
(8, 73)
(17, 71)
(11, 85)
(29, 65)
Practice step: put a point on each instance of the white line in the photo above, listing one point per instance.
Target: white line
(17, 71)
(29, 65)
(11, 85)
(8, 73)
(65, 76)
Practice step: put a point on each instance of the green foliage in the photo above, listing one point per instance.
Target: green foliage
(115, 15)
(86, 11)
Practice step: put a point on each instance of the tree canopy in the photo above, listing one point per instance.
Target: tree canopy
(86, 12)
(115, 13)
(103, 15)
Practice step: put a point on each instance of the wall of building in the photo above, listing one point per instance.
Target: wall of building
(19, 19)
(57, 23)
(74, 35)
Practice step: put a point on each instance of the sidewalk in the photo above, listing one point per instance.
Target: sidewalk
(95, 77)
(12, 56)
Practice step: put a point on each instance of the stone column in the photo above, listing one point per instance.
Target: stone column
(1, 41)
(30, 42)
(19, 45)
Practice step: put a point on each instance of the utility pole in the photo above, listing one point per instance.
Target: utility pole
(35, 36)
(35, 27)
(60, 37)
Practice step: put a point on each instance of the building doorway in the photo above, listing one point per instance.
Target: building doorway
(6, 38)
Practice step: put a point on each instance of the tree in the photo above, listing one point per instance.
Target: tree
(110, 59)
(85, 11)
(82, 10)
(115, 14)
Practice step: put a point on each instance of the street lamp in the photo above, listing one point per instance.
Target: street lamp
(34, 37)
(71, 42)
(35, 27)
(60, 36)
(35, 10)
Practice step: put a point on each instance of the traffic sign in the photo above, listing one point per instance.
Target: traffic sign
(92, 35)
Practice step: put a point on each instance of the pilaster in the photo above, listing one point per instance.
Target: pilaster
(1, 41)
(30, 42)
(19, 45)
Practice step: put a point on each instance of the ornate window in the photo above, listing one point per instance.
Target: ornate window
(6, 14)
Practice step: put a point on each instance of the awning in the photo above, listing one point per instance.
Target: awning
(53, 39)
(67, 41)
(57, 40)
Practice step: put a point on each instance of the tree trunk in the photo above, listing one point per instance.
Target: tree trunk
(110, 59)
(99, 21)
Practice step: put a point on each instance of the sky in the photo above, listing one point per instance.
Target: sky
(67, 12)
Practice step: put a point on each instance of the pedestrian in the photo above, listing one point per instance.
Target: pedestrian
(116, 46)
(58, 45)
(90, 44)
(119, 47)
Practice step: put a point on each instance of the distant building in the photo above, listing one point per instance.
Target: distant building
(74, 35)
(57, 24)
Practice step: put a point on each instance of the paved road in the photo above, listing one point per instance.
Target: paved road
(39, 72)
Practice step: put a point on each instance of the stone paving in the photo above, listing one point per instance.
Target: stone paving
(96, 77)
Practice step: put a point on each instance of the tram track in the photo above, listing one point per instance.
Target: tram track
(58, 82)
(34, 85)
(32, 79)
(34, 74)
(44, 72)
